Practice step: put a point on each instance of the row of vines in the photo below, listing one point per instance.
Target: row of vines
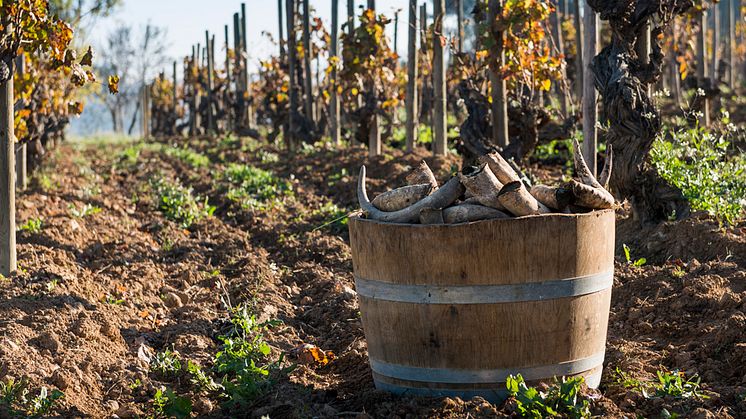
(534, 71)
(41, 76)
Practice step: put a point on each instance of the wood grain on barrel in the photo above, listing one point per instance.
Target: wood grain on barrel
(504, 251)
(486, 336)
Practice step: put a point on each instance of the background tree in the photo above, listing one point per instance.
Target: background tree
(135, 58)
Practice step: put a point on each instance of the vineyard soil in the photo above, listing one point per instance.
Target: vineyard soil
(107, 281)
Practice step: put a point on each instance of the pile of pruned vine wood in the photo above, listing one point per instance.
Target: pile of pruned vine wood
(493, 189)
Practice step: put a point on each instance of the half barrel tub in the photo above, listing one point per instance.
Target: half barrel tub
(453, 310)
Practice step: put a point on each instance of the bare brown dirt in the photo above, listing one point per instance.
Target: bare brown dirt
(101, 293)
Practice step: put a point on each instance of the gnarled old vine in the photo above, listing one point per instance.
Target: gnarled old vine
(622, 79)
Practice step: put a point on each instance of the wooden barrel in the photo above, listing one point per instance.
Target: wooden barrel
(453, 310)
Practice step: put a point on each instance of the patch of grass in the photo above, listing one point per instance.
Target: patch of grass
(179, 204)
(85, 211)
(669, 383)
(15, 399)
(128, 157)
(337, 176)
(675, 384)
(45, 181)
(335, 218)
(268, 157)
(703, 165)
(555, 150)
(188, 156)
(562, 398)
(253, 187)
(33, 226)
(230, 142)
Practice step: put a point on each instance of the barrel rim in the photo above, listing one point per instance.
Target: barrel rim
(359, 218)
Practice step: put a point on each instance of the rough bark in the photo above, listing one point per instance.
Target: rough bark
(400, 198)
(466, 213)
(422, 174)
(519, 201)
(634, 121)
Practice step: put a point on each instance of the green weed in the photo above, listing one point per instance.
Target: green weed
(166, 363)
(268, 157)
(33, 226)
(669, 383)
(555, 150)
(166, 404)
(178, 203)
(113, 300)
(45, 182)
(335, 218)
(676, 385)
(200, 379)
(85, 211)
(51, 285)
(562, 398)
(243, 360)
(188, 156)
(129, 156)
(15, 401)
(628, 257)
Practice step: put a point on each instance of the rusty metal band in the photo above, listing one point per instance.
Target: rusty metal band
(460, 376)
(484, 294)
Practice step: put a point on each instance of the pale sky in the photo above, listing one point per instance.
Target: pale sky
(187, 20)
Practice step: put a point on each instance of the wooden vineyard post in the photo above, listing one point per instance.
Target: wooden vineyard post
(412, 78)
(556, 23)
(730, 42)
(7, 178)
(715, 45)
(307, 80)
(334, 56)
(21, 152)
(248, 108)
(702, 71)
(237, 67)
(210, 85)
(175, 89)
(374, 136)
(425, 116)
(396, 34)
(499, 88)
(143, 114)
(579, 44)
(281, 37)
(293, 94)
(440, 143)
(460, 24)
(350, 17)
(590, 110)
(227, 95)
(145, 111)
